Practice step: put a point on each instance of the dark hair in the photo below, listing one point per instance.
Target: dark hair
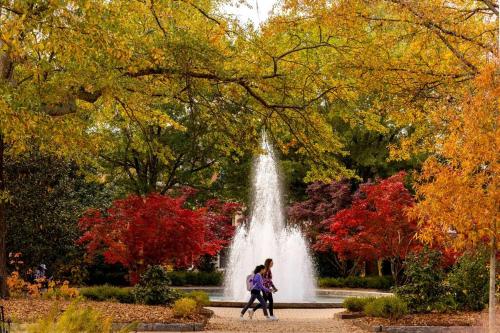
(258, 269)
(267, 264)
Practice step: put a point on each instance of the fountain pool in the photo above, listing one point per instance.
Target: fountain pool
(324, 298)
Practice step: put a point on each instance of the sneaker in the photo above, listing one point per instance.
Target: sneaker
(242, 318)
(273, 318)
(250, 313)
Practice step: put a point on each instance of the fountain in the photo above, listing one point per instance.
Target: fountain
(268, 237)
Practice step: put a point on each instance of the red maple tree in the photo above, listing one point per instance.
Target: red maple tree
(323, 200)
(156, 229)
(376, 225)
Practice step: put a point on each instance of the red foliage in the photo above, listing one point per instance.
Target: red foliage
(218, 222)
(376, 226)
(324, 200)
(156, 229)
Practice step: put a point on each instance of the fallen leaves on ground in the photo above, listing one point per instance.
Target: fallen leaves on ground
(30, 310)
(434, 319)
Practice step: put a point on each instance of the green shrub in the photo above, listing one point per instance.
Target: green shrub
(469, 281)
(356, 304)
(108, 293)
(372, 282)
(386, 307)
(184, 307)
(76, 319)
(424, 289)
(380, 282)
(154, 288)
(329, 282)
(183, 278)
(200, 297)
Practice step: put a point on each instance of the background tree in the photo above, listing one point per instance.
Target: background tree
(323, 201)
(70, 68)
(95, 81)
(375, 226)
(155, 230)
(48, 196)
(458, 187)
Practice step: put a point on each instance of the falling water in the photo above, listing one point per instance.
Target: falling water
(267, 237)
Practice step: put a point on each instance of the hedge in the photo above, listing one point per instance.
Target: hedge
(184, 278)
(106, 293)
(371, 282)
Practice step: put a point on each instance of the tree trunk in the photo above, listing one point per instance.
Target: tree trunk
(363, 269)
(492, 296)
(395, 271)
(4, 292)
(379, 267)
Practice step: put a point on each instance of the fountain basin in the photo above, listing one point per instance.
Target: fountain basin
(325, 298)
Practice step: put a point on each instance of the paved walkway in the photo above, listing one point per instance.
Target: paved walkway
(227, 320)
(290, 320)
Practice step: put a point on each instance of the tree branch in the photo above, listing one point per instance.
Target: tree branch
(491, 5)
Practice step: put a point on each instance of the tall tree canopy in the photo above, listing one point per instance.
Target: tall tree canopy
(459, 186)
(157, 92)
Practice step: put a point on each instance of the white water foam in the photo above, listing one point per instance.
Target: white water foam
(267, 237)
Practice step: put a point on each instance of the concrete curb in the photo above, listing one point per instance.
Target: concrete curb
(349, 315)
(433, 329)
(418, 329)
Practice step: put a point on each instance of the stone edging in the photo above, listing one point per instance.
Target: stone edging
(349, 315)
(146, 327)
(161, 327)
(418, 329)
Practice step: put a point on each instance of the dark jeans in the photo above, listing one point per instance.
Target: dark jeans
(255, 294)
(268, 297)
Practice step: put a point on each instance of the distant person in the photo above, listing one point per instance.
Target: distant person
(267, 277)
(255, 292)
(40, 276)
(30, 276)
(41, 272)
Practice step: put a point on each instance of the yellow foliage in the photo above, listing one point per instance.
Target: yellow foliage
(77, 318)
(459, 187)
(55, 290)
(15, 284)
(86, 71)
(185, 307)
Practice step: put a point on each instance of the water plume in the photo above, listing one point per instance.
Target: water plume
(267, 236)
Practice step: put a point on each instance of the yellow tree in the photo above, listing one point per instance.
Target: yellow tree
(458, 188)
(413, 56)
(73, 72)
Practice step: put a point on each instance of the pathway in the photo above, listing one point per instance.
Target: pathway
(227, 320)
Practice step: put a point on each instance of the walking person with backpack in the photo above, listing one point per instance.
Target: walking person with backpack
(267, 277)
(255, 284)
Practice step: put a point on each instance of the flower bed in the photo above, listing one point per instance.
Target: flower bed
(462, 322)
(30, 310)
(428, 319)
